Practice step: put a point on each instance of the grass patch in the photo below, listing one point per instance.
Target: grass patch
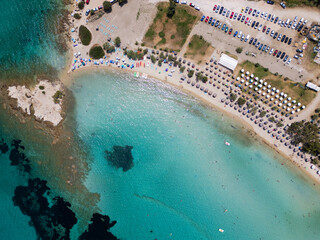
(293, 89)
(96, 52)
(85, 35)
(198, 47)
(231, 55)
(178, 26)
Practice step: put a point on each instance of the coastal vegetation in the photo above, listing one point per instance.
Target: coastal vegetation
(77, 16)
(85, 35)
(134, 55)
(179, 25)
(307, 134)
(107, 6)
(201, 77)
(295, 90)
(57, 96)
(81, 5)
(198, 48)
(108, 47)
(117, 42)
(239, 50)
(96, 52)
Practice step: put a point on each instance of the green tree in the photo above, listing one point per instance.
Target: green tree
(108, 47)
(233, 97)
(117, 42)
(121, 2)
(171, 9)
(241, 101)
(239, 50)
(81, 5)
(182, 68)
(190, 73)
(153, 59)
(77, 16)
(96, 52)
(85, 35)
(107, 6)
(263, 113)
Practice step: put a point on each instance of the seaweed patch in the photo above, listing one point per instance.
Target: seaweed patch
(120, 157)
(99, 228)
(3, 147)
(18, 158)
(52, 222)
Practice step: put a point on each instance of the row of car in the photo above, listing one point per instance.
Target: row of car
(190, 4)
(254, 41)
(272, 18)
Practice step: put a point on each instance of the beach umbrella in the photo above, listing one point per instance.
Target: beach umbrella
(303, 107)
(288, 109)
(269, 86)
(238, 78)
(272, 93)
(272, 99)
(268, 96)
(277, 91)
(247, 83)
(289, 98)
(275, 102)
(281, 94)
(284, 107)
(280, 104)
(256, 89)
(261, 81)
(260, 86)
(247, 73)
(277, 96)
(250, 86)
(265, 83)
(268, 91)
(298, 110)
(247, 78)
(285, 101)
(294, 101)
(242, 81)
(281, 98)
(285, 95)
(289, 104)
(256, 78)
(255, 83)
(251, 75)
(274, 89)
(263, 94)
(293, 112)
(242, 70)
(299, 104)
(259, 91)
(294, 107)
(251, 81)
(263, 88)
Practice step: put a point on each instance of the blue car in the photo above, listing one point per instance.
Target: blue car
(203, 17)
(235, 34)
(226, 29)
(223, 27)
(213, 21)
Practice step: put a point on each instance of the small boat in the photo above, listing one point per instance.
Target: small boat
(227, 143)
(221, 230)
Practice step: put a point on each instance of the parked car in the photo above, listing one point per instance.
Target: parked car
(275, 35)
(279, 54)
(228, 13)
(242, 19)
(283, 38)
(242, 37)
(235, 16)
(271, 51)
(213, 21)
(226, 30)
(279, 37)
(203, 17)
(210, 20)
(223, 27)
(272, 33)
(87, 12)
(300, 28)
(254, 12)
(197, 8)
(253, 24)
(267, 49)
(251, 40)
(235, 34)
(231, 16)
(217, 23)
(224, 12)
(264, 29)
(247, 9)
(247, 38)
(275, 52)
(269, 17)
(247, 19)
(276, 20)
(214, 8)
(191, 5)
(270, 2)
(239, 35)
(282, 55)
(286, 40)
(240, 16)
(290, 40)
(261, 45)
(299, 50)
(207, 19)
(257, 24)
(283, 5)
(217, 9)
(254, 42)
(250, 10)
(264, 48)
(272, 18)
(257, 44)
(286, 57)
(230, 31)
(289, 61)
(268, 30)
(221, 10)
(260, 27)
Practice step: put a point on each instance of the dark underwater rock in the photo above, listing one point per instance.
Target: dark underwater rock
(99, 228)
(3, 147)
(121, 157)
(52, 222)
(18, 158)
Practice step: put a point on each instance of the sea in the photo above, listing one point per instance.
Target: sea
(150, 157)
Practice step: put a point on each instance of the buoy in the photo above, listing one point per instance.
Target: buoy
(226, 143)
(221, 230)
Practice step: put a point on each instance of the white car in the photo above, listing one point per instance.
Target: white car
(240, 33)
(289, 61)
(271, 51)
(183, 2)
(260, 27)
(262, 14)
(197, 8)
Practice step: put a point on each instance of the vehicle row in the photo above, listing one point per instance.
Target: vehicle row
(243, 37)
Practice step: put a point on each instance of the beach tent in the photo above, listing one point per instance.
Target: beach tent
(228, 62)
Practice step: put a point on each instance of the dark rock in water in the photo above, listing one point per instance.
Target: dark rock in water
(3, 147)
(52, 222)
(18, 158)
(99, 228)
(121, 157)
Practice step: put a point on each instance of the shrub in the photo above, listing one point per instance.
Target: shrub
(107, 6)
(117, 42)
(81, 5)
(121, 2)
(241, 101)
(182, 68)
(172, 9)
(263, 113)
(57, 96)
(85, 35)
(172, 36)
(233, 97)
(96, 52)
(239, 50)
(190, 73)
(77, 16)
(41, 87)
(153, 59)
(109, 48)
(161, 34)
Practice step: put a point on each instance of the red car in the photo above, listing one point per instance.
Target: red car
(230, 31)
(264, 28)
(87, 1)
(215, 7)
(207, 18)
(231, 16)
(247, 19)
(191, 4)
(275, 52)
(250, 11)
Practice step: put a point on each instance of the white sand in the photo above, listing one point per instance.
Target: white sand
(42, 102)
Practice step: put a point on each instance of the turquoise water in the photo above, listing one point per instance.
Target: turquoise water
(184, 177)
(29, 38)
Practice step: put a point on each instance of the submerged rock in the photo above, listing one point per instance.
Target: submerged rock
(99, 228)
(3, 147)
(121, 157)
(52, 222)
(18, 158)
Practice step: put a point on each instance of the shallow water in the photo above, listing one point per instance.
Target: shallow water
(185, 182)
